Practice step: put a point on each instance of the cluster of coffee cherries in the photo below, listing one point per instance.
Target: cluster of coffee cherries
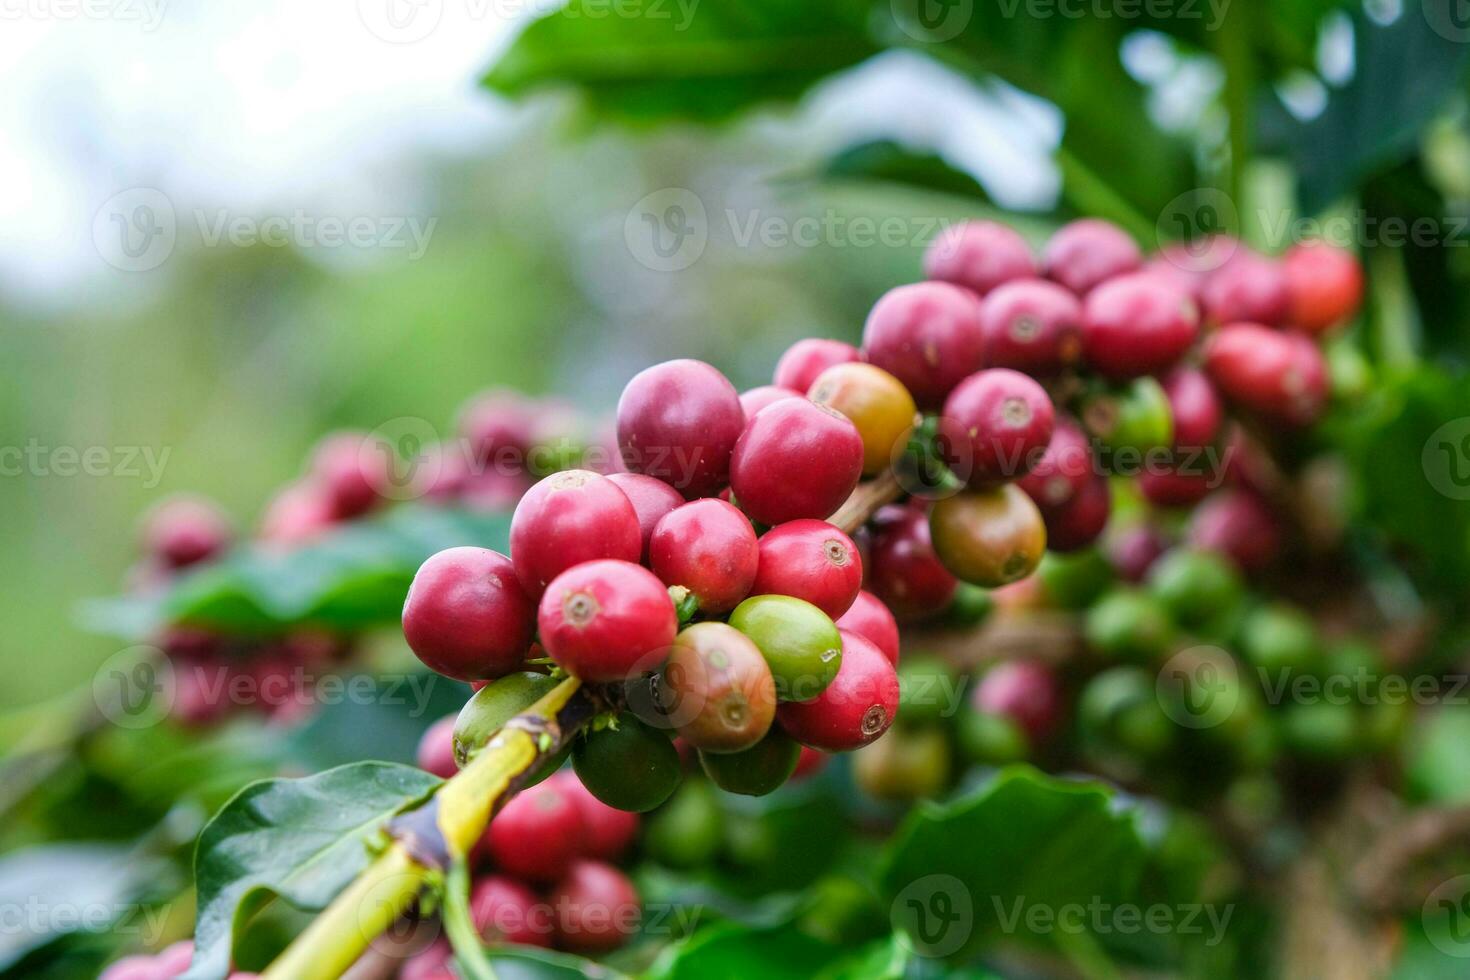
(173, 961)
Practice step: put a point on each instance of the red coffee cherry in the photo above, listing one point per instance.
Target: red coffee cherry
(811, 560)
(679, 421)
(1136, 325)
(805, 359)
(869, 618)
(708, 547)
(1082, 520)
(996, 426)
(132, 968)
(651, 499)
(979, 255)
(856, 708)
(537, 835)
(499, 429)
(1195, 406)
(607, 621)
(1133, 551)
(1237, 524)
(1189, 264)
(1282, 376)
(466, 615)
(1176, 487)
(1250, 288)
(297, 514)
(928, 336)
(597, 908)
(988, 537)
(755, 399)
(1033, 326)
(1087, 252)
(717, 689)
(183, 531)
(1024, 691)
(809, 763)
(876, 402)
(506, 911)
(434, 962)
(607, 831)
(569, 518)
(349, 470)
(795, 459)
(905, 572)
(1324, 286)
(1063, 470)
(435, 753)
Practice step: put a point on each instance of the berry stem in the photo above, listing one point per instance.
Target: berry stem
(450, 822)
(865, 501)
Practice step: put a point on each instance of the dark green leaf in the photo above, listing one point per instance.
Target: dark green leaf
(886, 160)
(730, 951)
(543, 964)
(299, 839)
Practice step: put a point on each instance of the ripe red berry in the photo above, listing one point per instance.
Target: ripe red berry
(755, 399)
(1189, 264)
(1324, 285)
(350, 470)
(607, 831)
(805, 359)
(537, 835)
(809, 763)
(988, 537)
(709, 548)
(1087, 252)
(1195, 406)
(298, 513)
(868, 617)
(183, 531)
(1024, 691)
(795, 459)
(1175, 487)
(1133, 551)
(1249, 287)
(1282, 376)
(466, 615)
(1237, 524)
(679, 421)
(928, 336)
(717, 690)
(996, 426)
(434, 962)
(856, 708)
(597, 908)
(1033, 326)
(904, 571)
(499, 429)
(506, 911)
(1063, 470)
(651, 499)
(569, 518)
(979, 255)
(607, 620)
(1082, 520)
(810, 560)
(435, 753)
(1135, 325)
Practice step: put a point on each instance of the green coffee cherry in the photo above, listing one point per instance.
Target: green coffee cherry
(1280, 637)
(631, 767)
(1118, 710)
(905, 764)
(926, 689)
(991, 739)
(1074, 581)
(970, 606)
(759, 770)
(1129, 624)
(1130, 420)
(687, 832)
(798, 640)
(1325, 731)
(492, 706)
(1196, 587)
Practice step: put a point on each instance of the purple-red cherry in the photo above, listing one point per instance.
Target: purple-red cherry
(678, 421)
(467, 616)
(569, 518)
(795, 459)
(708, 547)
(810, 560)
(928, 336)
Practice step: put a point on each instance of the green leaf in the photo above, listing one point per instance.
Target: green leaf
(528, 963)
(348, 580)
(892, 162)
(684, 59)
(730, 951)
(1437, 765)
(1405, 73)
(300, 839)
(965, 871)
